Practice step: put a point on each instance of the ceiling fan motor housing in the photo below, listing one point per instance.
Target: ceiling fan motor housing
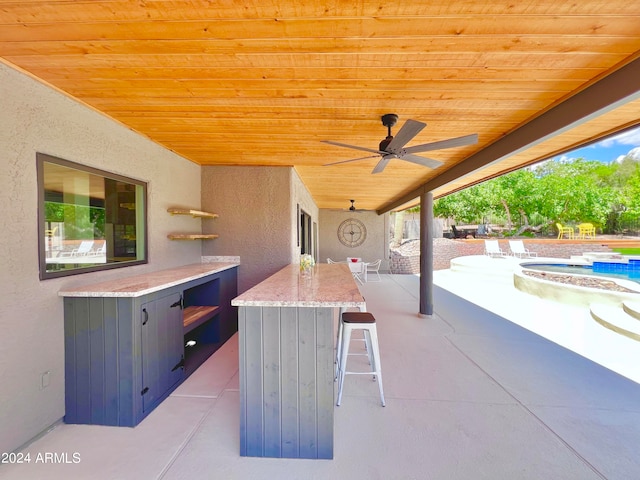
(385, 143)
(388, 120)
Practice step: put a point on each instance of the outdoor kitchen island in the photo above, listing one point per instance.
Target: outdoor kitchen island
(286, 343)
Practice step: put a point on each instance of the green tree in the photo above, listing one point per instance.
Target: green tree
(576, 192)
(466, 205)
(566, 192)
(630, 197)
(517, 192)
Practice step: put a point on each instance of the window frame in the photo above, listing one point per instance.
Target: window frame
(41, 159)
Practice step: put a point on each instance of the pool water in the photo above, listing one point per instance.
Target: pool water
(621, 270)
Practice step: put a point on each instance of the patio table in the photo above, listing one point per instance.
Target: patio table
(358, 269)
(286, 343)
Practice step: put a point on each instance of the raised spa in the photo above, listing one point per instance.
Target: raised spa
(625, 270)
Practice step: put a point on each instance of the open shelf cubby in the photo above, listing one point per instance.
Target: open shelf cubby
(193, 317)
(201, 323)
(200, 343)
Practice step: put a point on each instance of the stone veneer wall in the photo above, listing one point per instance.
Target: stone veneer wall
(404, 264)
(406, 260)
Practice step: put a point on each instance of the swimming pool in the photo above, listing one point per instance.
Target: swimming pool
(624, 270)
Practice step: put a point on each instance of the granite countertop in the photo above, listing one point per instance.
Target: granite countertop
(327, 286)
(139, 285)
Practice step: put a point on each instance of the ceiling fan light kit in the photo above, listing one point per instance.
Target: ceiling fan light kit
(393, 147)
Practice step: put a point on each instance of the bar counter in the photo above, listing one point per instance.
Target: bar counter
(327, 286)
(286, 343)
(146, 283)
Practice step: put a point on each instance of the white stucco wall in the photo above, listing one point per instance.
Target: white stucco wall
(36, 118)
(376, 245)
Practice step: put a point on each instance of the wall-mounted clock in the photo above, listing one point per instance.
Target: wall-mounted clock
(352, 232)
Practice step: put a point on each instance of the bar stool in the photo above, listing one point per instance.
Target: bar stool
(367, 323)
(338, 348)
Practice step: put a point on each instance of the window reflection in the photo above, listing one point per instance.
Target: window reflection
(89, 219)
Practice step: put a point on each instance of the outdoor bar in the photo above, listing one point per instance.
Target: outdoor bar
(285, 327)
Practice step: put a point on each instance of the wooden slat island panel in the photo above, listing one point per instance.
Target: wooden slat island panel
(286, 339)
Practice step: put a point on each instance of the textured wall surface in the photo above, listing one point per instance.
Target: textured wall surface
(376, 245)
(257, 218)
(36, 118)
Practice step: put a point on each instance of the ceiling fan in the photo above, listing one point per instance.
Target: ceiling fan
(353, 208)
(393, 147)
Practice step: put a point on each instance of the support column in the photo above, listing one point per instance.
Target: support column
(426, 253)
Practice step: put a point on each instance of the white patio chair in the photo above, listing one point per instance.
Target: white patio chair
(357, 270)
(98, 252)
(518, 249)
(82, 250)
(373, 267)
(492, 249)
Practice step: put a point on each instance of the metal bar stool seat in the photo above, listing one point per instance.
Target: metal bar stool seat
(366, 322)
(338, 348)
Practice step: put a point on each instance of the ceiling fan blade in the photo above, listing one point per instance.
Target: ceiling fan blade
(352, 160)
(409, 130)
(338, 144)
(450, 143)
(382, 163)
(425, 162)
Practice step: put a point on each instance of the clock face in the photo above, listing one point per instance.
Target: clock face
(352, 232)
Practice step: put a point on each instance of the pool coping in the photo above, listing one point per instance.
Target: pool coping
(568, 293)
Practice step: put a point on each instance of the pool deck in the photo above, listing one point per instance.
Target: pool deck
(489, 283)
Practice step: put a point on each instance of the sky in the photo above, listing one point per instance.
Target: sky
(609, 150)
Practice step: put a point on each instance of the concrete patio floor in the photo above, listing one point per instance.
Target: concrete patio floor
(470, 395)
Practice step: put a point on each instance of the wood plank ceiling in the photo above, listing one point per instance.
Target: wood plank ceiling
(260, 82)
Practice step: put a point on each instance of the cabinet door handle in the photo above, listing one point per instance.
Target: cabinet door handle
(146, 316)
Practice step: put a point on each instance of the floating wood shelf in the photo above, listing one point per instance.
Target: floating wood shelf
(193, 317)
(191, 236)
(193, 213)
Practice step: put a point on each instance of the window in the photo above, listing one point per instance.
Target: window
(305, 233)
(88, 219)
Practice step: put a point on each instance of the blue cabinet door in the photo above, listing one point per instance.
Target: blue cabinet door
(162, 348)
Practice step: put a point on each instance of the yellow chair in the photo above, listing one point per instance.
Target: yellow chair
(586, 230)
(562, 231)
